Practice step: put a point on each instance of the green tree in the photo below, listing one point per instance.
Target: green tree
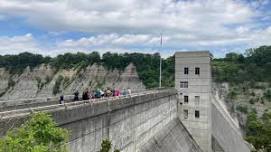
(38, 134)
(106, 146)
(258, 131)
(267, 94)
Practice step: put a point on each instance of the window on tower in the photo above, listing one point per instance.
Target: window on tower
(186, 70)
(185, 99)
(184, 84)
(197, 114)
(197, 71)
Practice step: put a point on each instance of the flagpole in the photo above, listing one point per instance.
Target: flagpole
(160, 76)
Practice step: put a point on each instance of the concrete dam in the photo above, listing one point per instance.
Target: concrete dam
(151, 121)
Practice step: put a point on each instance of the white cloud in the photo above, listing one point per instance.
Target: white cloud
(134, 24)
(113, 40)
(15, 44)
(140, 16)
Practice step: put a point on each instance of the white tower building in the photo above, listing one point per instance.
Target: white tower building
(193, 82)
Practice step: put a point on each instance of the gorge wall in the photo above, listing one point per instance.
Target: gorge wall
(45, 81)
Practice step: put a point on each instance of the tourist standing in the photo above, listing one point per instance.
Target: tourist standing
(76, 96)
(61, 99)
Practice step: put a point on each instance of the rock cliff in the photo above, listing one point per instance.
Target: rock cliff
(44, 81)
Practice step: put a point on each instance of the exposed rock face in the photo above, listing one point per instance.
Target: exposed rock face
(44, 81)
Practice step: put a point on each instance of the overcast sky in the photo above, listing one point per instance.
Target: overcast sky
(51, 27)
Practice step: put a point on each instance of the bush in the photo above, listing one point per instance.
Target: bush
(11, 83)
(106, 146)
(232, 95)
(38, 134)
(258, 131)
(58, 82)
(66, 82)
(252, 101)
(267, 95)
(242, 108)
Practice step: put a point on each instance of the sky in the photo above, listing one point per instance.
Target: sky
(52, 27)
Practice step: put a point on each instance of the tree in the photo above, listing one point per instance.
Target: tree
(38, 134)
(267, 94)
(106, 146)
(258, 131)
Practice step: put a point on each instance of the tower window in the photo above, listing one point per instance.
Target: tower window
(186, 70)
(197, 98)
(185, 112)
(197, 71)
(184, 84)
(197, 114)
(185, 99)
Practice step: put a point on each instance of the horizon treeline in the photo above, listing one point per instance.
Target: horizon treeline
(254, 65)
(147, 65)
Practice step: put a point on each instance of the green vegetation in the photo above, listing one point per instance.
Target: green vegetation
(254, 66)
(17, 63)
(242, 108)
(78, 60)
(38, 134)
(106, 146)
(147, 64)
(267, 95)
(11, 84)
(58, 82)
(66, 82)
(258, 131)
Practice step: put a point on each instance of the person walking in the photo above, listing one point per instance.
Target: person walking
(61, 99)
(76, 96)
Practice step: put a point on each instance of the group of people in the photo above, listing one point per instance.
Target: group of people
(99, 93)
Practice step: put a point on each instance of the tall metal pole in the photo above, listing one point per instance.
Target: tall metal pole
(160, 78)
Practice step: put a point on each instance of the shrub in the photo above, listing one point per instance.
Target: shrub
(252, 94)
(252, 101)
(232, 95)
(11, 83)
(38, 134)
(66, 82)
(242, 108)
(58, 82)
(106, 146)
(267, 95)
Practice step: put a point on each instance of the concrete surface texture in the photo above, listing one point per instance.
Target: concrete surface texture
(174, 137)
(225, 131)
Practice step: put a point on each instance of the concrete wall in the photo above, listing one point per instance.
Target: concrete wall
(129, 121)
(198, 85)
(225, 133)
(31, 103)
(173, 138)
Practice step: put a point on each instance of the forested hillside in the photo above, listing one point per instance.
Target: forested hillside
(253, 66)
(147, 65)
